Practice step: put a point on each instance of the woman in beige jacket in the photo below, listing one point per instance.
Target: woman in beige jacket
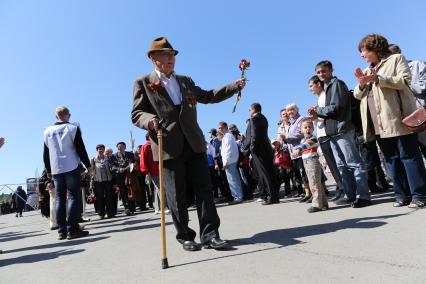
(386, 98)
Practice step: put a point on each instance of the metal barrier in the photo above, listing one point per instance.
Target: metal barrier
(8, 187)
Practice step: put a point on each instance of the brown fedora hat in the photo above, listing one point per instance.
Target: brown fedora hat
(161, 44)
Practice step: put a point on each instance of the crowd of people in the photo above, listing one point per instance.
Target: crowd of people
(356, 135)
(351, 130)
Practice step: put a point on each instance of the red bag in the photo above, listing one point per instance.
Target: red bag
(282, 159)
(416, 121)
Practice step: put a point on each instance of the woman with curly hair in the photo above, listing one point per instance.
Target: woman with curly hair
(385, 96)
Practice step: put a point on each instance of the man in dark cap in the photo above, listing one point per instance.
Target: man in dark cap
(165, 99)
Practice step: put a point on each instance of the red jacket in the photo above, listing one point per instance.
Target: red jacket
(148, 166)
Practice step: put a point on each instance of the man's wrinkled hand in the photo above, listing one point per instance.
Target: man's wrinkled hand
(241, 83)
(154, 124)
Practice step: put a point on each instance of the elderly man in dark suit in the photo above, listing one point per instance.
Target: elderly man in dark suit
(165, 99)
(258, 144)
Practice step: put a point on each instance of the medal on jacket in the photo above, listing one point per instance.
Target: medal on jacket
(244, 65)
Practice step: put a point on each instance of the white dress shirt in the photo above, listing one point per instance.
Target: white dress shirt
(210, 150)
(229, 149)
(320, 121)
(172, 87)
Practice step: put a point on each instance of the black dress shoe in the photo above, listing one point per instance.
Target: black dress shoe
(306, 198)
(343, 201)
(216, 243)
(234, 202)
(336, 196)
(191, 246)
(62, 236)
(314, 209)
(270, 202)
(359, 203)
(77, 234)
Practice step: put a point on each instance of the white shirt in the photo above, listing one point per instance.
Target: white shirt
(320, 123)
(281, 130)
(229, 149)
(210, 150)
(172, 87)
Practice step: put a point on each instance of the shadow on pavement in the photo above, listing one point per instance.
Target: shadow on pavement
(13, 236)
(32, 258)
(127, 222)
(127, 229)
(63, 243)
(290, 236)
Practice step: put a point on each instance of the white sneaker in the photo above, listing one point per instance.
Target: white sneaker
(260, 200)
(156, 212)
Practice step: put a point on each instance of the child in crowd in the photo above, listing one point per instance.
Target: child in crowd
(308, 150)
(282, 161)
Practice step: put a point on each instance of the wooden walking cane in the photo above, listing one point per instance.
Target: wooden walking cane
(164, 262)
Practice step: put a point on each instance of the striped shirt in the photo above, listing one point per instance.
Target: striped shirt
(309, 146)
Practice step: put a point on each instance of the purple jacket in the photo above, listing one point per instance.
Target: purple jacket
(294, 134)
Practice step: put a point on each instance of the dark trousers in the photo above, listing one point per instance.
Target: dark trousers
(246, 182)
(19, 210)
(370, 156)
(191, 170)
(45, 204)
(300, 174)
(124, 193)
(114, 200)
(331, 162)
(405, 164)
(267, 175)
(423, 149)
(220, 183)
(146, 195)
(215, 181)
(104, 198)
(284, 177)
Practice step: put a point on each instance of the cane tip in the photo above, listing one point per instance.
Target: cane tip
(164, 263)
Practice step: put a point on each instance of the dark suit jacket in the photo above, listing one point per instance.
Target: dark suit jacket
(177, 126)
(257, 140)
(129, 157)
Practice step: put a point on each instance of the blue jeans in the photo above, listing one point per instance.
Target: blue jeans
(67, 184)
(234, 181)
(405, 163)
(351, 168)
